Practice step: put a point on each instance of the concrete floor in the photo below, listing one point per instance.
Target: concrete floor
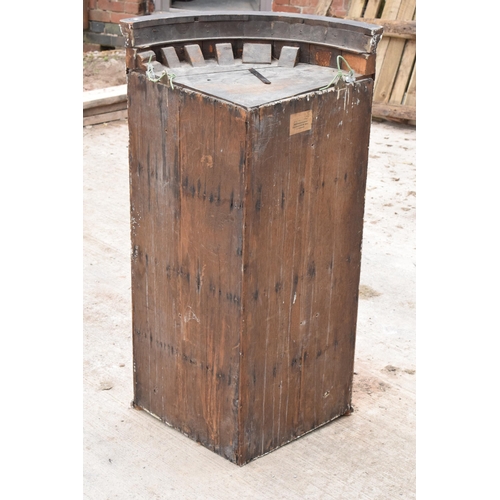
(369, 455)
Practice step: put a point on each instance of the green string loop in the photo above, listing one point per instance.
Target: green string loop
(339, 75)
(150, 73)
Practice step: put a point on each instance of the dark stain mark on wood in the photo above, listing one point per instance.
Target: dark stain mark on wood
(302, 191)
(258, 202)
(311, 269)
(233, 298)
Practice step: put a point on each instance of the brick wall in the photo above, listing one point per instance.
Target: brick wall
(103, 16)
(338, 8)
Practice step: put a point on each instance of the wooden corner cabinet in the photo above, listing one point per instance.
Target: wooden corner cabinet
(247, 186)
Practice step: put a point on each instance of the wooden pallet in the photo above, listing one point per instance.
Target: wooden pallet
(395, 82)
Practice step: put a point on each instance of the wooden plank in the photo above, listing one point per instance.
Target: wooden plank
(401, 112)
(110, 108)
(404, 73)
(103, 97)
(392, 57)
(212, 142)
(372, 9)
(389, 12)
(393, 28)
(104, 117)
(104, 105)
(356, 8)
(410, 98)
(155, 209)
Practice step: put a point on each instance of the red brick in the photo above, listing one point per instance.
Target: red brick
(303, 3)
(286, 8)
(116, 17)
(133, 8)
(308, 10)
(99, 15)
(112, 6)
(92, 4)
(281, 2)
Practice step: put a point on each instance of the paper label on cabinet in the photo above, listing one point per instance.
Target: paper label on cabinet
(300, 122)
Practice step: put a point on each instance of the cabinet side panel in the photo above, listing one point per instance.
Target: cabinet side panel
(211, 158)
(186, 169)
(154, 213)
(304, 219)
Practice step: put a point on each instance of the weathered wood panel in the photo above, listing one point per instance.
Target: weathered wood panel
(181, 27)
(304, 216)
(186, 199)
(212, 152)
(154, 205)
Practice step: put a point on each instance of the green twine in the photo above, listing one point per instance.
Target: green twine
(150, 73)
(349, 78)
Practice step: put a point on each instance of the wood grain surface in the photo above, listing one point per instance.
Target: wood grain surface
(304, 216)
(246, 244)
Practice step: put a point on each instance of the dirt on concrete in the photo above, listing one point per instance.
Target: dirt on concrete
(102, 69)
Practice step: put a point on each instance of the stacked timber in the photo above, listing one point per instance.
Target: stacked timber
(104, 105)
(395, 82)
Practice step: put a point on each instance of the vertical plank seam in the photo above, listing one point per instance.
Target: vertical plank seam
(249, 115)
